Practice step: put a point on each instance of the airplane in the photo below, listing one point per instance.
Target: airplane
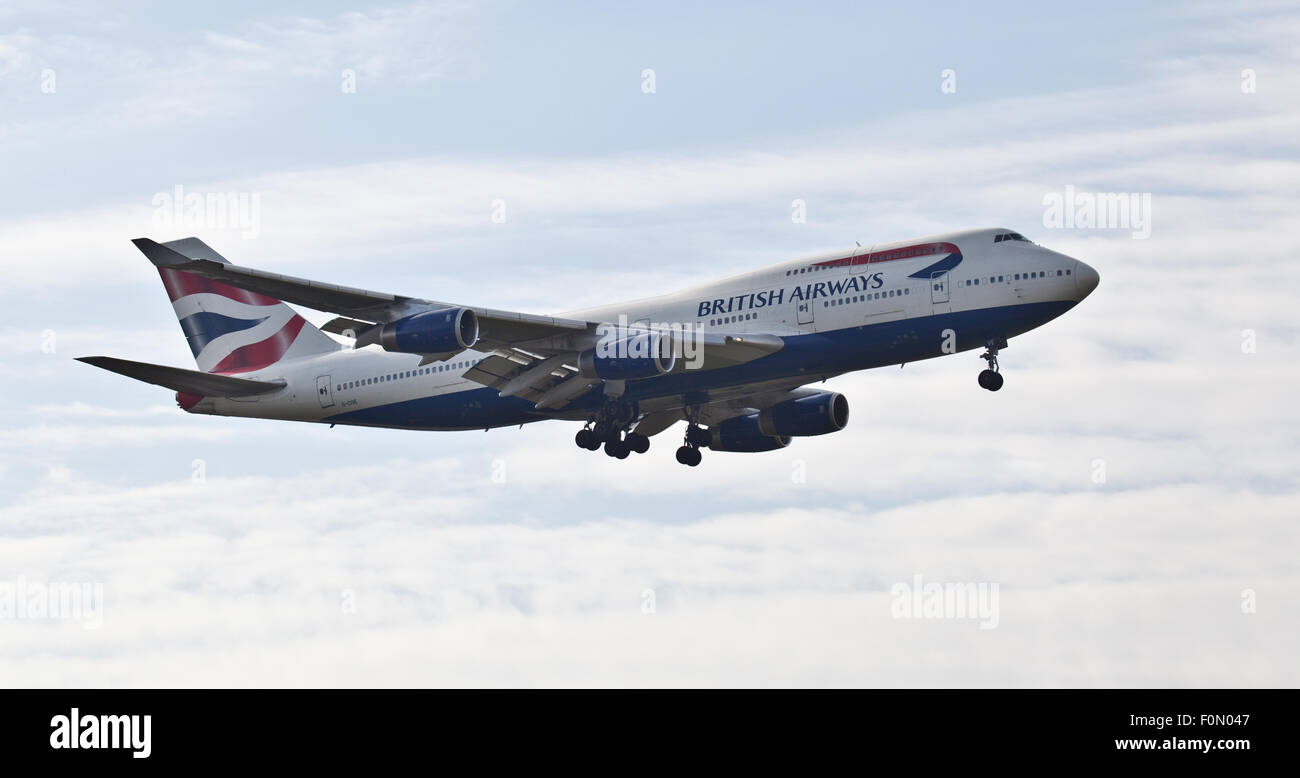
(733, 358)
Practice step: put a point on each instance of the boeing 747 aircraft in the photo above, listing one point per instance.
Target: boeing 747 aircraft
(731, 358)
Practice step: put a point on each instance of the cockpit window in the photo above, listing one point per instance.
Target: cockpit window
(1010, 236)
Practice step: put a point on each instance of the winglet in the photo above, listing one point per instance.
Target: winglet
(159, 254)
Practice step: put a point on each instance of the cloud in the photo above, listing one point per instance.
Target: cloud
(184, 77)
(408, 589)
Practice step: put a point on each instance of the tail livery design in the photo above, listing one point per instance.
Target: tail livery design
(232, 330)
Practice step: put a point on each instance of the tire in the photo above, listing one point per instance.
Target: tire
(990, 380)
(638, 443)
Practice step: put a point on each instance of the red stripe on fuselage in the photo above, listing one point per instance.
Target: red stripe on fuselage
(181, 284)
(256, 356)
(903, 252)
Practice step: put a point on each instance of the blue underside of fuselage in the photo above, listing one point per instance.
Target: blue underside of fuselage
(811, 356)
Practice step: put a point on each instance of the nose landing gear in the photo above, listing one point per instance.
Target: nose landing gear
(991, 378)
(696, 436)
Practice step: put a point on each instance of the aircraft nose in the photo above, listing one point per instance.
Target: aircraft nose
(1085, 279)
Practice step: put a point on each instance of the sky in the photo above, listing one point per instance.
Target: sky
(1131, 494)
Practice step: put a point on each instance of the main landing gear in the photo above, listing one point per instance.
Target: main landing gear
(610, 428)
(991, 379)
(696, 436)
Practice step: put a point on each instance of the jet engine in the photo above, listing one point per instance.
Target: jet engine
(643, 355)
(447, 330)
(743, 434)
(814, 414)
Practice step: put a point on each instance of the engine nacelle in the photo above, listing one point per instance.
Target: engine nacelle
(442, 331)
(742, 434)
(816, 414)
(643, 355)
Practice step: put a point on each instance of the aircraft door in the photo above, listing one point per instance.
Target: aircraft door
(324, 391)
(939, 287)
(805, 311)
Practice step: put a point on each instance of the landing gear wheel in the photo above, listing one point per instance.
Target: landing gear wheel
(689, 456)
(637, 442)
(990, 380)
(617, 449)
(697, 436)
(587, 439)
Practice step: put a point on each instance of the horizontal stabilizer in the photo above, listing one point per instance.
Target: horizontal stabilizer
(188, 381)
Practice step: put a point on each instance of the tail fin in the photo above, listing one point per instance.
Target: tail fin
(232, 330)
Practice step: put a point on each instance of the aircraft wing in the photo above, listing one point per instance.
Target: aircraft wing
(745, 402)
(550, 380)
(360, 309)
(725, 403)
(181, 380)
